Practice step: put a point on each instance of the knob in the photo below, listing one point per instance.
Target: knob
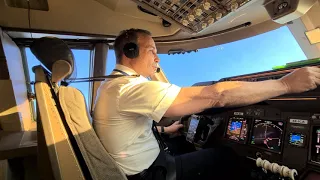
(206, 6)
(266, 165)
(259, 162)
(275, 168)
(198, 12)
(234, 6)
(286, 172)
(185, 22)
(204, 25)
(211, 20)
(293, 173)
(191, 18)
(218, 15)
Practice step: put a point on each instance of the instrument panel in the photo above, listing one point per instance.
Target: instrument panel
(284, 130)
(289, 138)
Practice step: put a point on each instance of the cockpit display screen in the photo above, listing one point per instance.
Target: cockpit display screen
(192, 129)
(237, 129)
(296, 139)
(267, 134)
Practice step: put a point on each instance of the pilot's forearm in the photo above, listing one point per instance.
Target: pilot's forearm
(237, 93)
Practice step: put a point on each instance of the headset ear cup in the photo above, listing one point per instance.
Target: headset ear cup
(131, 50)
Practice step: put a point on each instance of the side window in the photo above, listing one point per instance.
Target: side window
(82, 60)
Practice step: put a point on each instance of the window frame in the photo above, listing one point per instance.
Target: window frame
(30, 94)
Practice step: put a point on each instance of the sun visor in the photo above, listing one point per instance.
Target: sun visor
(56, 56)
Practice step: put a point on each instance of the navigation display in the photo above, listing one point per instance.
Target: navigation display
(192, 129)
(267, 134)
(296, 139)
(237, 129)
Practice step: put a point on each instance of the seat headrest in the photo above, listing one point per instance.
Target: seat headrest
(55, 55)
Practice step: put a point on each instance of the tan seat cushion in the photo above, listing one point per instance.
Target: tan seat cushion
(99, 162)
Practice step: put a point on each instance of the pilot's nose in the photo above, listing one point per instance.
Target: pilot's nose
(157, 59)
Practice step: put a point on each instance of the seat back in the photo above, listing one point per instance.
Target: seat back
(99, 162)
(69, 141)
(56, 146)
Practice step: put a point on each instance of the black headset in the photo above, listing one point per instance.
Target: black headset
(131, 49)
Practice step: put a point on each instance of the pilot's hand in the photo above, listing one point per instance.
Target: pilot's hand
(302, 79)
(173, 128)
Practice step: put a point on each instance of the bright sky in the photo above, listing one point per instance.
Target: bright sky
(255, 54)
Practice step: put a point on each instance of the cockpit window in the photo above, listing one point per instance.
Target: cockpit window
(255, 54)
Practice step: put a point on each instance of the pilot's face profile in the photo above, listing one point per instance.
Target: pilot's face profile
(148, 55)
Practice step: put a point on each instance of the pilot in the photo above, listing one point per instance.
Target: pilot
(126, 107)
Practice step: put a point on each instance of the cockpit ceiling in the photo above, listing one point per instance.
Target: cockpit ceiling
(195, 16)
(106, 18)
(109, 17)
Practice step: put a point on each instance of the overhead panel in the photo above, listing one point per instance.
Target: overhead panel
(193, 15)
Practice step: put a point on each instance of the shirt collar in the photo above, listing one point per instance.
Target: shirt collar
(126, 70)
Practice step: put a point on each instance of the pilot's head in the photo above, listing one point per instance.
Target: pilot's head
(136, 49)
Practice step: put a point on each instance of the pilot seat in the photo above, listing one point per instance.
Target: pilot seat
(68, 146)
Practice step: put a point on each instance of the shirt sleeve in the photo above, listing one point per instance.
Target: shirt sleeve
(151, 99)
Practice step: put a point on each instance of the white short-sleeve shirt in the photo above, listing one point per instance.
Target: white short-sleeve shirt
(123, 114)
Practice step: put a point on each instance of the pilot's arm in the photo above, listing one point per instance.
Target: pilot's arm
(156, 99)
(234, 93)
(173, 128)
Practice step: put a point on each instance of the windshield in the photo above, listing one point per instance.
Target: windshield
(255, 54)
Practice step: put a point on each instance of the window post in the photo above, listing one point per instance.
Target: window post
(99, 68)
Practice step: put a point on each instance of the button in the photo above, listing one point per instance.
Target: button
(170, 12)
(156, 3)
(175, 7)
(204, 14)
(212, 8)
